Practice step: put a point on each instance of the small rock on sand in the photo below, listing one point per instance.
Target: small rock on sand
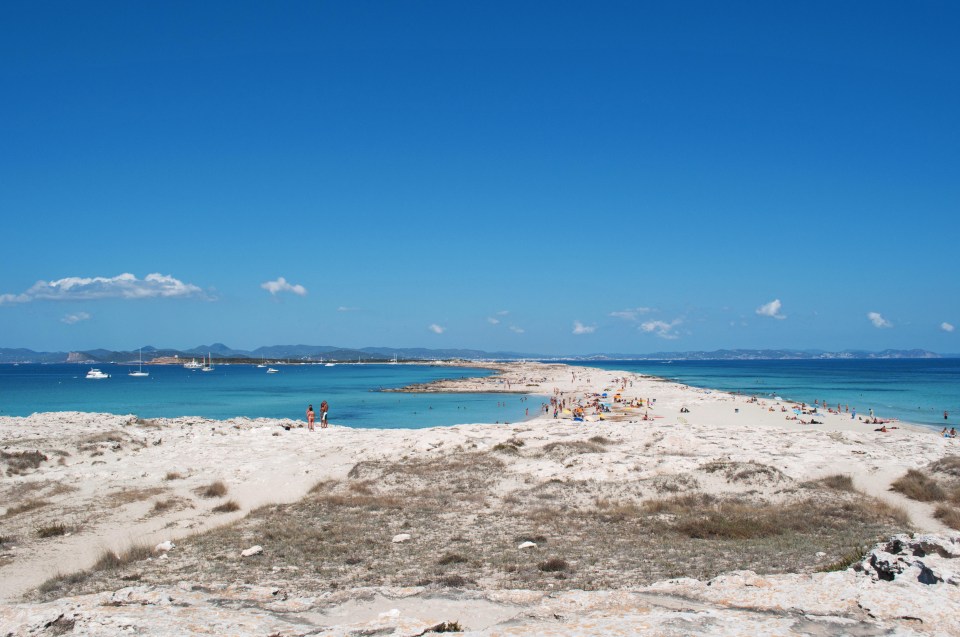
(402, 537)
(253, 550)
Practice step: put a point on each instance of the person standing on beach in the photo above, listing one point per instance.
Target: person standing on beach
(310, 416)
(324, 407)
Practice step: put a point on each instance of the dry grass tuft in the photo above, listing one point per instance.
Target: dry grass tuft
(749, 472)
(110, 561)
(948, 515)
(511, 446)
(128, 496)
(601, 440)
(446, 627)
(19, 462)
(227, 507)
(553, 565)
(845, 561)
(564, 449)
(23, 507)
(918, 486)
(52, 530)
(453, 581)
(451, 558)
(675, 483)
(838, 482)
(173, 475)
(949, 465)
(213, 490)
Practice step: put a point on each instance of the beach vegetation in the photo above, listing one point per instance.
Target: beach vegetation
(601, 440)
(949, 465)
(845, 561)
(675, 483)
(451, 558)
(135, 494)
(227, 507)
(111, 561)
(446, 627)
(839, 482)
(511, 446)
(749, 472)
(216, 489)
(59, 584)
(173, 475)
(949, 515)
(52, 530)
(340, 535)
(553, 565)
(453, 581)
(24, 507)
(916, 485)
(564, 449)
(20, 462)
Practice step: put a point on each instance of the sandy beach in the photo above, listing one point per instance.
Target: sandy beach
(601, 506)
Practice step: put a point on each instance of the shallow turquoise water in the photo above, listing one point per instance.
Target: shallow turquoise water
(246, 390)
(913, 390)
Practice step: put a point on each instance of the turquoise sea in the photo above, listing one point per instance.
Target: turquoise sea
(913, 390)
(246, 390)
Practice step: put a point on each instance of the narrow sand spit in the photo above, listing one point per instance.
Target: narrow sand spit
(94, 483)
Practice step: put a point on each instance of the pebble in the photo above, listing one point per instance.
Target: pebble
(253, 550)
(402, 537)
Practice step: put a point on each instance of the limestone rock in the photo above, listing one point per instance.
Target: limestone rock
(528, 545)
(400, 538)
(163, 547)
(253, 550)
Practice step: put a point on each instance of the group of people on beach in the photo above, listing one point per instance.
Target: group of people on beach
(324, 407)
(949, 434)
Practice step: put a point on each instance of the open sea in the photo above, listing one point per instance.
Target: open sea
(246, 390)
(912, 390)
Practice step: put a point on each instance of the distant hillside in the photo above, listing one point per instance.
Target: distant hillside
(333, 353)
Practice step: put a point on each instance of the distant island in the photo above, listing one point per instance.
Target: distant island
(330, 353)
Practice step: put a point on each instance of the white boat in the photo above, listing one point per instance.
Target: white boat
(193, 364)
(329, 364)
(272, 371)
(140, 373)
(262, 364)
(208, 365)
(96, 374)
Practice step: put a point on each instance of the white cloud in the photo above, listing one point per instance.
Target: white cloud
(122, 286)
(580, 328)
(281, 285)
(436, 329)
(344, 308)
(878, 320)
(503, 312)
(771, 309)
(517, 330)
(493, 321)
(631, 314)
(662, 328)
(946, 327)
(70, 319)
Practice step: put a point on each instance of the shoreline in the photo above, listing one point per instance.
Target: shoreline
(104, 475)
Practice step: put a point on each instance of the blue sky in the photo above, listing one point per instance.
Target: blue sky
(529, 176)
